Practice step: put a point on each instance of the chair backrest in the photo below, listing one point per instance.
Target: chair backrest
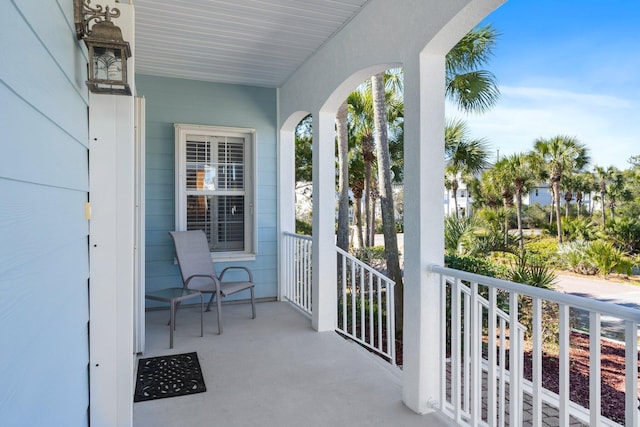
(194, 257)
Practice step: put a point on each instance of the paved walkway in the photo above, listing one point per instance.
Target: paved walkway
(602, 290)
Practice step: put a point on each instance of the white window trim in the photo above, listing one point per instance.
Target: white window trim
(251, 221)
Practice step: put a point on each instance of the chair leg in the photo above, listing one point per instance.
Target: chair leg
(219, 303)
(213, 294)
(253, 304)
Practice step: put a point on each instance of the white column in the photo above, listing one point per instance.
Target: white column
(324, 282)
(424, 230)
(286, 199)
(111, 249)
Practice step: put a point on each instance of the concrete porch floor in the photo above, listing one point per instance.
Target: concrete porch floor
(274, 371)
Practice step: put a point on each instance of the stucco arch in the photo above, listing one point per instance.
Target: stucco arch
(422, 32)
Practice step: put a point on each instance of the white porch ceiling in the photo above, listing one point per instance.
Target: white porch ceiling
(252, 42)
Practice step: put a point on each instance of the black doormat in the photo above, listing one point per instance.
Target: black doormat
(168, 376)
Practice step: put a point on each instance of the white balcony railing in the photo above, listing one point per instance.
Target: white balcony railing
(483, 382)
(365, 296)
(365, 306)
(296, 276)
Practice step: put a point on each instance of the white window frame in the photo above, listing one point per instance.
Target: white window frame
(250, 217)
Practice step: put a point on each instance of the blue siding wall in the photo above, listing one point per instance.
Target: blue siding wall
(170, 101)
(43, 233)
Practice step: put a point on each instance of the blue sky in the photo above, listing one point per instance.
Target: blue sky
(565, 68)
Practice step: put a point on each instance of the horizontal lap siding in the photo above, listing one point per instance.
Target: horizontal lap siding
(170, 101)
(43, 233)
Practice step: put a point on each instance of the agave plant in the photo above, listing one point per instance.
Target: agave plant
(532, 274)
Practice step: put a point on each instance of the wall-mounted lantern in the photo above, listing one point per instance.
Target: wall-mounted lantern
(108, 51)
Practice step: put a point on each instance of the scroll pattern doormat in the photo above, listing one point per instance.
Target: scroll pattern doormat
(168, 376)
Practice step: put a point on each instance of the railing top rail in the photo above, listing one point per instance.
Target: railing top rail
(299, 236)
(366, 266)
(622, 312)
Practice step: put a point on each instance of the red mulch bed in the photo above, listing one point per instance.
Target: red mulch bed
(612, 373)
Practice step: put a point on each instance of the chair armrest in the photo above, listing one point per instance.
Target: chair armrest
(238, 268)
(215, 280)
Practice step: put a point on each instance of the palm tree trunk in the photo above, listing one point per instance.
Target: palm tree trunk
(367, 155)
(454, 193)
(602, 206)
(357, 215)
(342, 239)
(372, 227)
(519, 217)
(556, 195)
(386, 195)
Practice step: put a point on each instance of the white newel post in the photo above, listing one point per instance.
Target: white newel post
(324, 282)
(111, 247)
(424, 231)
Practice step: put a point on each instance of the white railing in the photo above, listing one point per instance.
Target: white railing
(296, 275)
(485, 370)
(365, 306)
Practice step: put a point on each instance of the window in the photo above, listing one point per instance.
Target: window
(215, 187)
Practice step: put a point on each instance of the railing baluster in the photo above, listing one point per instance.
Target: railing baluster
(443, 333)
(455, 349)
(631, 374)
(466, 351)
(536, 326)
(515, 413)
(379, 297)
(371, 305)
(344, 292)
(353, 298)
(362, 302)
(391, 325)
(492, 359)
(503, 372)
(563, 318)
(475, 353)
(595, 388)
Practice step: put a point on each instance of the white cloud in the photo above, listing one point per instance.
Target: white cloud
(609, 126)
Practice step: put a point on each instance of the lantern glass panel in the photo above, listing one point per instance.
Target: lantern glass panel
(107, 64)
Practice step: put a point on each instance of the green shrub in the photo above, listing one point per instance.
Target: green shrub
(476, 265)
(375, 256)
(303, 227)
(581, 228)
(625, 234)
(543, 250)
(607, 258)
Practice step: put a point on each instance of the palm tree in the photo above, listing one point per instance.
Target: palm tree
(519, 170)
(362, 128)
(618, 191)
(501, 181)
(385, 193)
(583, 183)
(470, 88)
(464, 156)
(603, 176)
(560, 156)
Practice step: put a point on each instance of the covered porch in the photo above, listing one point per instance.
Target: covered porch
(275, 370)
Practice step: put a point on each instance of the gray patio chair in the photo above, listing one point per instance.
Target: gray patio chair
(199, 273)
